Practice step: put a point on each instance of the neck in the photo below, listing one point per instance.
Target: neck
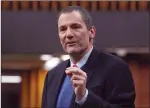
(76, 57)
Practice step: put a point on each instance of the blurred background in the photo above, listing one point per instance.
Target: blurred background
(30, 45)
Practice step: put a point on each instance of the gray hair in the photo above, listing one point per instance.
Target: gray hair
(84, 13)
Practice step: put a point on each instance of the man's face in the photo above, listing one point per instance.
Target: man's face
(73, 33)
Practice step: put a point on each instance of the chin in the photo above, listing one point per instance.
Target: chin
(71, 51)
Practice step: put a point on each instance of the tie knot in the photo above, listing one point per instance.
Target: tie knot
(74, 65)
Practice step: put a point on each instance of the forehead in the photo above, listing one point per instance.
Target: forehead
(69, 18)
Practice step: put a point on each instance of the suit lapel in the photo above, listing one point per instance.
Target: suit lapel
(89, 66)
(59, 76)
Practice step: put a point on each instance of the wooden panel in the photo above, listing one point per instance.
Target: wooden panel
(84, 4)
(64, 4)
(133, 5)
(25, 5)
(94, 5)
(33, 89)
(25, 90)
(41, 79)
(143, 5)
(113, 5)
(54, 5)
(44, 5)
(123, 5)
(74, 3)
(35, 5)
(135, 73)
(15, 5)
(5, 5)
(141, 80)
(144, 85)
(104, 5)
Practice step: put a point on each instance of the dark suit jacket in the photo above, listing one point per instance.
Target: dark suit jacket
(109, 82)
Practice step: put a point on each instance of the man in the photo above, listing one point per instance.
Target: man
(91, 78)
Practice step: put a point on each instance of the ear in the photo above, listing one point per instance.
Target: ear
(92, 32)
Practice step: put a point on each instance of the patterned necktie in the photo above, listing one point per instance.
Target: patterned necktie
(66, 93)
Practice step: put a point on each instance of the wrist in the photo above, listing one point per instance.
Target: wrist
(82, 101)
(79, 97)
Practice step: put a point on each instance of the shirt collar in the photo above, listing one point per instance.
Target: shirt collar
(83, 59)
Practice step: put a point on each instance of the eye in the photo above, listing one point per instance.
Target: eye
(76, 26)
(62, 28)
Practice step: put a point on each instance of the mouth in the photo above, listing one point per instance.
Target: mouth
(71, 43)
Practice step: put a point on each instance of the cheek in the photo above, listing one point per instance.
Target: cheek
(61, 39)
(84, 38)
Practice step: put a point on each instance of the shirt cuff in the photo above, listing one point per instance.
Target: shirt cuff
(81, 102)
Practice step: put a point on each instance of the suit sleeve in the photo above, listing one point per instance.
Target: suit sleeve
(44, 95)
(119, 91)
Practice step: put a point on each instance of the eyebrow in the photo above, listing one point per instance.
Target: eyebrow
(76, 24)
(61, 26)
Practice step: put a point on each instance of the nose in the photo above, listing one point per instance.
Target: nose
(69, 33)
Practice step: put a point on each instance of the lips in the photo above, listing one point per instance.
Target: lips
(71, 43)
